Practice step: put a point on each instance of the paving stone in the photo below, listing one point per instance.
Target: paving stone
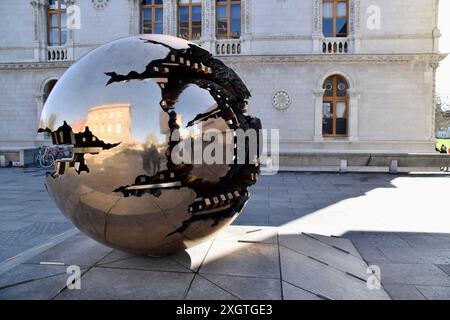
(254, 211)
(431, 241)
(291, 292)
(253, 221)
(248, 288)
(376, 239)
(254, 203)
(372, 254)
(338, 242)
(242, 259)
(9, 251)
(28, 272)
(414, 274)
(320, 203)
(249, 234)
(279, 216)
(338, 259)
(12, 208)
(435, 292)
(13, 225)
(44, 289)
(202, 289)
(121, 284)
(445, 268)
(122, 260)
(403, 292)
(417, 255)
(78, 250)
(193, 257)
(320, 279)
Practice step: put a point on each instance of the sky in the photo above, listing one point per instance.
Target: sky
(443, 73)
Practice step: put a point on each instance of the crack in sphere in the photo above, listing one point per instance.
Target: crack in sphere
(118, 111)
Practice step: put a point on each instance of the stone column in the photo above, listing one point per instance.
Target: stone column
(246, 33)
(318, 114)
(40, 8)
(208, 25)
(36, 18)
(353, 129)
(70, 44)
(355, 26)
(317, 35)
(134, 17)
(170, 17)
(436, 33)
(433, 66)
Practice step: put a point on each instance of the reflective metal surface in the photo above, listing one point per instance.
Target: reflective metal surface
(120, 108)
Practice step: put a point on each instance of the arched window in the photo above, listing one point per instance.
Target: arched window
(56, 23)
(335, 18)
(335, 107)
(228, 19)
(190, 19)
(48, 88)
(152, 16)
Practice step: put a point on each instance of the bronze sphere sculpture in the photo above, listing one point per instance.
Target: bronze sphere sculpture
(117, 116)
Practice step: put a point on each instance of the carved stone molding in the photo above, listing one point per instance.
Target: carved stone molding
(35, 65)
(246, 16)
(355, 18)
(352, 58)
(317, 18)
(318, 93)
(281, 100)
(354, 93)
(100, 4)
(207, 26)
(35, 6)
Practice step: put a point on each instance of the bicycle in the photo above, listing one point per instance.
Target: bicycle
(44, 158)
(49, 155)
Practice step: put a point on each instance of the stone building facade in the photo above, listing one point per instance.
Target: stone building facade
(331, 75)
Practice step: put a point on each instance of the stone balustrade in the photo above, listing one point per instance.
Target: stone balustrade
(57, 54)
(335, 46)
(228, 47)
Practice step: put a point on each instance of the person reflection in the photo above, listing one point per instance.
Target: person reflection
(151, 159)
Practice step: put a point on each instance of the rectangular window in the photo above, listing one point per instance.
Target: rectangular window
(228, 19)
(159, 22)
(222, 22)
(335, 18)
(152, 16)
(189, 19)
(196, 22)
(56, 23)
(183, 22)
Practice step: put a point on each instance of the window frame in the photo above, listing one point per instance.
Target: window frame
(190, 5)
(58, 12)
(228, 4)
(334, 99)
(335, 17)
(153, 8)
